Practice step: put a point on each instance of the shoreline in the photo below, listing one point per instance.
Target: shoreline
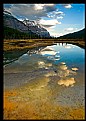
(20, 44)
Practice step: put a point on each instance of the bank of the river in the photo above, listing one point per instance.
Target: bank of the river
(19, 44)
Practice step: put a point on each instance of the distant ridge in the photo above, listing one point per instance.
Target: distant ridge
(76, 35)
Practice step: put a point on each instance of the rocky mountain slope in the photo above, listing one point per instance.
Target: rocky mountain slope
(36, 28)
(26, 26)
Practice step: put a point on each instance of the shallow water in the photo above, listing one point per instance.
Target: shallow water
(54, 74)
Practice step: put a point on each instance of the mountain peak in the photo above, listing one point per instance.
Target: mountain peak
(36, 28)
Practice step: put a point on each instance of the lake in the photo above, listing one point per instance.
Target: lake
(51, 76)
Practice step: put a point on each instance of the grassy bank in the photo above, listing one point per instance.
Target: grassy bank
(20, 44)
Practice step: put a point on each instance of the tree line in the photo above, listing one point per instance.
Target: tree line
(10, 33)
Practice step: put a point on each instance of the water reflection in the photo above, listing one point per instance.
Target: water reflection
(23, 59)
(66, 75)
(54, 73)
(50, 53)
(38, 83)
(42, 64)
(62, 60)
(67, 82)
(47, 51)
(68, 47)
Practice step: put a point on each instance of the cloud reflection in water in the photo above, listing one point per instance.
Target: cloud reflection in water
(50, 53)
(47, 51)
(67, 46)
(64, 73)
(42, 64)
(67, 82)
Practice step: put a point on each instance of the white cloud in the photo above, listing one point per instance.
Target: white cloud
(67, 6)
(50, 4)
(31, 10)
(70, 29)
(49, 22)
(59, 12)
(38, 6)
(59, 17)
(52, 27)
(56, 34)
(41, 6)
(56, 14)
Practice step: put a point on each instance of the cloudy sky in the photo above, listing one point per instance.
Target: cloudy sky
(58, 19)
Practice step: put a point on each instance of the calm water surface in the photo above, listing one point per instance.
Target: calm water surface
(55, 73)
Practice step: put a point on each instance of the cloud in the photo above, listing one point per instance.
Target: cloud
(67, 6)
(70, 29)
(59, 17)
(37, 12)
(52, 27)
(56, 14)
(48, 15)
(42, 6)
(38, 6)
(48, 23)
(55, 34)
(34, 11)
(30, 10)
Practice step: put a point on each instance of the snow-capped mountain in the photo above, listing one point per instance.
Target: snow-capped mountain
(36, 28)
(27, 26)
